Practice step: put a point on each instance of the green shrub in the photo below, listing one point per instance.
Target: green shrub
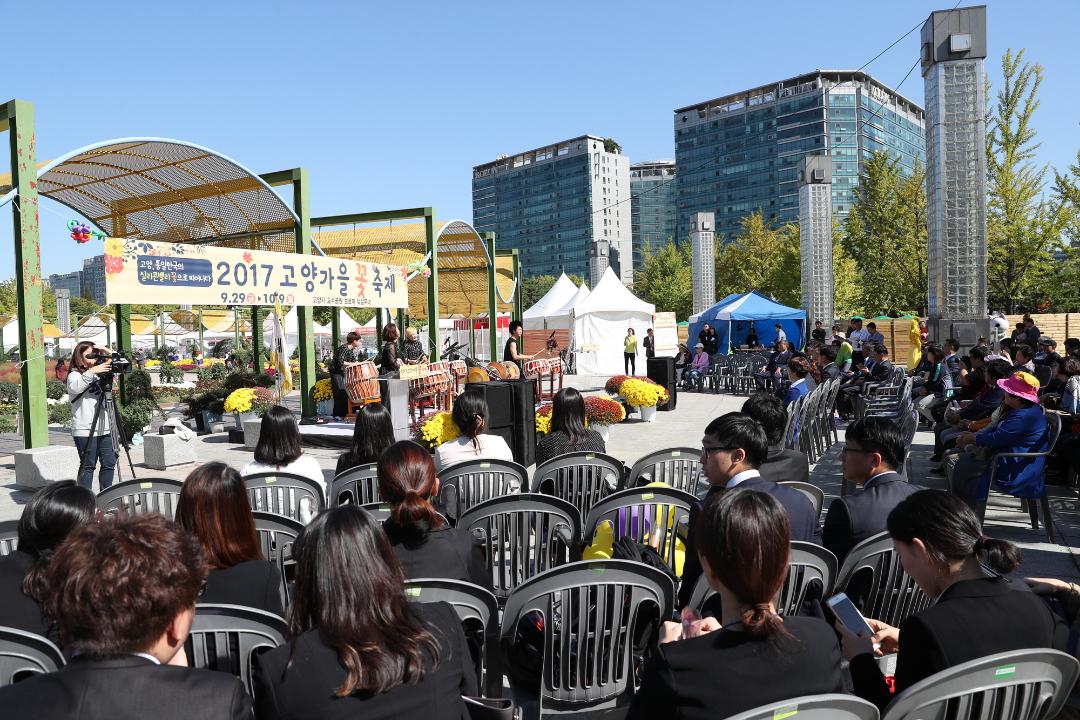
(54, 389)
(217, 372)
(238, 380)
(60, 413)
(169, 373)
(138, 386)
(136, 415)
(7, 424)
(9, 391)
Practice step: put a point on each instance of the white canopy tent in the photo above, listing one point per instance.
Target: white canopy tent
(599, 323)
(560, 318)
(563, 289)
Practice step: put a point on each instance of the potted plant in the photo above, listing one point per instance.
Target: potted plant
(262, 400)
(601, 413)
(322, 392)
(643, 395)
(241, 403)
(438, 429)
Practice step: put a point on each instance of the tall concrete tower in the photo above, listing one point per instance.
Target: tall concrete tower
(953, 58)
(63, 310)
(815, 238)
(703, 249)
(599, 260)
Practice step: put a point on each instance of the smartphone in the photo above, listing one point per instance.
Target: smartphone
(845, 610)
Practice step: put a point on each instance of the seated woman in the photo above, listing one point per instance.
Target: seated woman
(683, 358)
(422, 539)
(372, 433)
(470, 414)
(279, 449)
(214, 506)
(716, 669)
(357, 646)
(568, 432)
(941, 545)
(52, 513)
(797, 371)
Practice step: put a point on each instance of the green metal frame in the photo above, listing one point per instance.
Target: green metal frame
(257, 339)
(493, 308)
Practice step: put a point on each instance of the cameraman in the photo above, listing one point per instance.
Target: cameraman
(85, 392)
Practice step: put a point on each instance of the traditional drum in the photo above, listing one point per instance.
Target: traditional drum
(362, 383)
(536, 367)
(478, 374)
(504, 370)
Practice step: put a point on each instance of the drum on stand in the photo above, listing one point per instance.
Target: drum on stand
(362, 385)
(505, 370)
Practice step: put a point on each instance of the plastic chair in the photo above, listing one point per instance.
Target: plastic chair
(890, 593)
(790, 427)
(23, 654)
(276, 537)
(580, 478)
(647, 515)
(227, 638)
(816, 494)
(590, 611)
(9, 537)
(474, 606)
(1044, 373)
(380, 512)
(1019, 685)
(524, 535)
(147, 495)
(679, 467)
(358, 486)
(465, 485)
(814, 707)
(280, 493)
(1053, 429)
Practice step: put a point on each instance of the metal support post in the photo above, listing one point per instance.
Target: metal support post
(123, 341)
(432, 283)
(202, 345)
(257, 338)
(518, 310)
(493, 308)
(335, 328)
(305, 323)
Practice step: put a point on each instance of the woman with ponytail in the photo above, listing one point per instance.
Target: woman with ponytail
(749, 656)
(470, 414)
(977, 611)
(425, 544)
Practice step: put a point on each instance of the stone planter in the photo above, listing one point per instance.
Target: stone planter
(206, 419)
(325, 407)
(240, 418)
(604, 430)
(252, 430)
(648, 413)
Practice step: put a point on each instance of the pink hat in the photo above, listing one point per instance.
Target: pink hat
(1022, 385)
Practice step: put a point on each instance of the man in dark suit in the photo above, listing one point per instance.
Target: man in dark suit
(827, 362)
(732, 450)
(782, 463)
(777, 365)
(873, 450)
(878, 369)
(123, 594)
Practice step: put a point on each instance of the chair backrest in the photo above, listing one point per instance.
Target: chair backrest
(814, 707)
(524, 535)
(580, 478)
(1019, 685)
(280, 493)
(23, 654)
(377, 510)
(890, 595)
(478, 610)
(9, 536)
(656, 516)
(276, 537)
(358, 486)
(816, 494)
(1044, 373)
(465, 485)
(679, 467)
(227, 638)
(146, 495)
(590, 610)
(793, 411)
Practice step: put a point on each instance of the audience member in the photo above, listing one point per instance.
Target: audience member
(971, 381)
(214, 506)
(357, 646)
(776, 368)
(975, 614)
(1072, 347)
(698, 368)
(781, 463)
(858, 336)
(1047, 351)
(715, 668)
(52, 513)
(683, 359)
(934, 393)
(874, 450)
(279, 449)
(874, 337)
(780, 334)
(797, 371)
(827, 362)
(470, 414)
(818, 333)
(981, 406)
(877, 370)
(123, 594)
(709, 339)
(568, 432)
(1031, 332)
(372, 433)
(1024, 358)
(843, 352)
(1069, 372)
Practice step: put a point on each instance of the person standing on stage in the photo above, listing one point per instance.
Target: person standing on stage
(630, 351)
(345, 356)
(650, 344)
(413, 351)
(512, 349)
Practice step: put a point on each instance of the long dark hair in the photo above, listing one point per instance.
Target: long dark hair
(350, 587)
(279, 438)
(77, 361)
(214, 506)
(745, 538)
(50, 516)
(470, 414)
(373, 433)
(950, 531)
(407, 482)
(568, 414)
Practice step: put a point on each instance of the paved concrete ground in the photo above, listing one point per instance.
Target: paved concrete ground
(681, 427)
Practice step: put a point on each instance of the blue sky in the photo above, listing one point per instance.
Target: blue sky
(390, 105)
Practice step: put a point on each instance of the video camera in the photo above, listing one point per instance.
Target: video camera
(120, 364)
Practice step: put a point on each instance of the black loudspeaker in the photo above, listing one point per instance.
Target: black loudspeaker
(499, 401)
(661, 370)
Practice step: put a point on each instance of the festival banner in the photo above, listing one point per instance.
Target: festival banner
(137, 271)
(666, 333)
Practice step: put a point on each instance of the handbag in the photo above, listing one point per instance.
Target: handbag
(489, 708)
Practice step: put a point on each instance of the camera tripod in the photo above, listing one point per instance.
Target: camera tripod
(116, 429)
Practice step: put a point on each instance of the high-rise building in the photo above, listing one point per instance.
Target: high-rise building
(93, 279)
(553, 202)
(63, 310)
(816, 238)
(652, 207)
(739, 153)
(703, 261)
(72, 282)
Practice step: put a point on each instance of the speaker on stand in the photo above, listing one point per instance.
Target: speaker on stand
(661, 370)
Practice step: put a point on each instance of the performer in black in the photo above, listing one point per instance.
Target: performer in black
(344, 356)
(512, 349)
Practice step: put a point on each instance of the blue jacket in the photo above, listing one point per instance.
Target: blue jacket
(794, 392)
(1021, 430)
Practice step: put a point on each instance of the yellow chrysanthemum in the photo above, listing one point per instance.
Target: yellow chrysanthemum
(240, 401)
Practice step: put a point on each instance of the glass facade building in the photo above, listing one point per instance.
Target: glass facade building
(72, 282)
(652, 206)
(740, 153)
(93, 279)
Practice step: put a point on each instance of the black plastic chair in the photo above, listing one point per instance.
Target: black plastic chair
(281, 493)
(465, 485)
(1032, 505)
(138, 496)
(883, 589)
(227, 638)
(358, 486)
(23, 654)
(9, 537)
(590, 610)
(656, 516)
(679, 467)
(580, 478)
(479, 611)
(276, 537)
(814, 707)
(816, 494)
(377, 510)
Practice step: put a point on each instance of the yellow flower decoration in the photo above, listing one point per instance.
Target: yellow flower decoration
(439, 429)
(639, 393)
(240, 401)
(114, 247)
(323, 390)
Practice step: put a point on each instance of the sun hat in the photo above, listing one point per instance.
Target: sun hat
(1047, 340)
(1022, 385)
(699, 345)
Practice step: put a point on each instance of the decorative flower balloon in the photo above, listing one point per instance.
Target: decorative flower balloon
(80, 232)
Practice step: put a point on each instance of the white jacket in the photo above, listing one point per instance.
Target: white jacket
(83, 409)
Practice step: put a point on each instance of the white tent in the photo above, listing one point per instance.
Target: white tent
(560, 319)
(553, 299)
(599, 325)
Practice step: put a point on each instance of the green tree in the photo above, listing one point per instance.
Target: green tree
(761, 257)
(847, 289)
(666, 280)
(1063, 287)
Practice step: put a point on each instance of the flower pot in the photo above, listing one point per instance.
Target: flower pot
(252, 430)
(603, 430)
(324, 407)
(240, 418)
(648, 413)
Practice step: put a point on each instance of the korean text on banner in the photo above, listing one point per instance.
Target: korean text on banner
(137, 271)
(667, 334)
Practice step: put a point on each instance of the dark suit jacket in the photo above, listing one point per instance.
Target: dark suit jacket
(971, 619)
(854, 518)
(18, 610)
(306, 689)
(830, 372)
(448, 553)
(726, 672)
(255, 583)
(785, 464)
(127, 688)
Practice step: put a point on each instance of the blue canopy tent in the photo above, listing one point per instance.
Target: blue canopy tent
(733, 316)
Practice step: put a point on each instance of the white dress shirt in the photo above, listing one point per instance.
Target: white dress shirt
(738, 478)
